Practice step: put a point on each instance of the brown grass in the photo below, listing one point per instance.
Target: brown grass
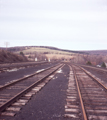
(43, 50)
(56, 56)
(6, 57)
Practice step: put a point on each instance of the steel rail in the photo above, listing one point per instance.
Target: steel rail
(12, 100)
(94, 78)
(96, 68)
(18, 65)
(80, 97)
(24, 78)
(99, 69)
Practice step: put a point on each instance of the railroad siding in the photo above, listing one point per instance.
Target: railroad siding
(49, 102)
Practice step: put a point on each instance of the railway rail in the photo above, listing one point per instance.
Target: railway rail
(94, 68)
(86, 96)
(24, 88)
(6, 67)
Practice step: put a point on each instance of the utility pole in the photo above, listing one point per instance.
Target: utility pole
(6, 43)
(78, 57)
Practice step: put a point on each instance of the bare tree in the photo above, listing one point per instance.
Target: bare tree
(85, 57)
(99, 59)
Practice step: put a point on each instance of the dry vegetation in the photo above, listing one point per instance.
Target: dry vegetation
(45, 53)
(8, 57)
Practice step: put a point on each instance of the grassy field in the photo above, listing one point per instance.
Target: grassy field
(45, 51)
(39, 52)
(49, 53)
(59, 56)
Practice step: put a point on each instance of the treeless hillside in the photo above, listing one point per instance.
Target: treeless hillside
(8, 57)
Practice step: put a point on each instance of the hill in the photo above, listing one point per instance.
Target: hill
(45, 52)
(48, 49)
(96, 52)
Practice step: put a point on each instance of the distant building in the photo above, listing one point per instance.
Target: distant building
(49, 60)
(100, 65)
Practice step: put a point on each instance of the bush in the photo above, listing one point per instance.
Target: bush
(8, 57)
(21, 53)
(103, 65)
(88, 63)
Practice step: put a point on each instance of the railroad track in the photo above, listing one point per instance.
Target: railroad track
(86, 96)
(13, 66)
(94, 68)
(19, 92)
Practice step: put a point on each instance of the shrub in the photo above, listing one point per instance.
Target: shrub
(103, 65)
(88, 63)
(21, 53)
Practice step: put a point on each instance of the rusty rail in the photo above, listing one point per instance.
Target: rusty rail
(12, 100)
(80, 97)
(18, 80)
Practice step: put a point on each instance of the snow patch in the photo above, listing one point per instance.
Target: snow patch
(15, 69)
(39, 70)
(59, 71)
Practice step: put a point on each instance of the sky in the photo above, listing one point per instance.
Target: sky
(65, 24)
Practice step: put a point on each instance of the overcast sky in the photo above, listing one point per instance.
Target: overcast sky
(66, 24)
